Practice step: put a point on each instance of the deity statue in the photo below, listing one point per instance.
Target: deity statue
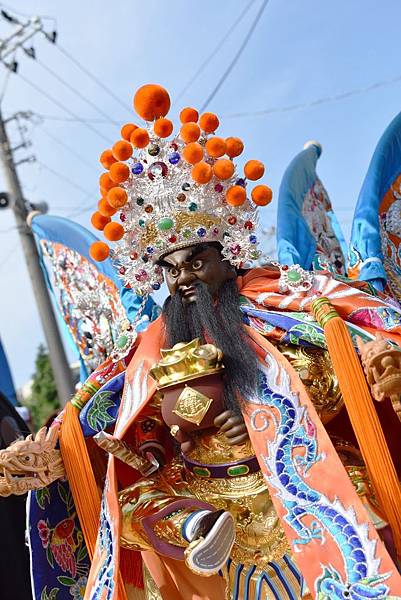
(226, 466)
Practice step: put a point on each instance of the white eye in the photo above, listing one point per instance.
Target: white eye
(197, 264)
(27, 459)
(173, 272)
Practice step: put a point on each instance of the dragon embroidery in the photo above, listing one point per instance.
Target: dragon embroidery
(288, 471)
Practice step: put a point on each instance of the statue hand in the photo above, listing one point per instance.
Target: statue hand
(233, 427)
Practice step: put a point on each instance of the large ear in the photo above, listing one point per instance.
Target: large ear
(360, 344)
(41, 435)
(53, 434)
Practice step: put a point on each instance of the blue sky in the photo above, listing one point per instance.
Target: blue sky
(302, 50)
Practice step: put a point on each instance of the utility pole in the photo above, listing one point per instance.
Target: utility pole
(58, 358)
(23, 31)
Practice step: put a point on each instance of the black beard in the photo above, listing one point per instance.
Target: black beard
(218, 321)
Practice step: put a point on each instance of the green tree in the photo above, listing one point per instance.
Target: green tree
(43, 399)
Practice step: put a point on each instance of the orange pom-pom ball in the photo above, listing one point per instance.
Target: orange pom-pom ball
(262, 195)
(107, 159)
(122, 150)
(234, 146)
(106, 182)
(99, 251)
(223, 168)
(236, 195)
(140, 138)
(216, 147)
(113, 232)
(151, 102)
(202, 172)
(254, 169)
(126, 131)
(105, 209)
(117, 197)
(119, 172)
(188, 115)
(209, 122)
(190, 132)
(193, 153)
(163, 127)
(99, 221)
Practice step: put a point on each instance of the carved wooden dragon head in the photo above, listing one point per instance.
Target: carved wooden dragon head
(382, 365)
(31, 464)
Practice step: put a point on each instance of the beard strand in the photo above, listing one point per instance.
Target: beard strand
(218, 321)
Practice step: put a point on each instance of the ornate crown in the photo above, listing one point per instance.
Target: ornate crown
(174, 192)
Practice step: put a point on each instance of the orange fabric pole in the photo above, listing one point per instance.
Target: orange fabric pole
(362, 414)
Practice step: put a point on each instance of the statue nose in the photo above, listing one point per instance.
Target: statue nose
(185, 278)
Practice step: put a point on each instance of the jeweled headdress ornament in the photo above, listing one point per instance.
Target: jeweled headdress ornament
(172, 192)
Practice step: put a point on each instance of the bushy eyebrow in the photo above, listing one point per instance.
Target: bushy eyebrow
(194, 252)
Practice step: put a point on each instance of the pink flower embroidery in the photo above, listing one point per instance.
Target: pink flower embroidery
(44, 533)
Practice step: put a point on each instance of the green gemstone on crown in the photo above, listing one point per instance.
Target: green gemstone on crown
(187, 233)
(122, 341)
(165, 224)
(294, 276)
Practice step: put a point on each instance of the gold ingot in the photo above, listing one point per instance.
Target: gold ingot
(186, 361)
(181, 348)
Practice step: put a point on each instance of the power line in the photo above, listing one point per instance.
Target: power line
(79, 212)
(214, 52)
(72, 120)
(77, 155)
(318, 101)
(274, 110)
(93, 77)
(64, 178)
(75, 91)
(5, 82)
(62, 106)
(9, 255)
(236, 56)
(21, 14)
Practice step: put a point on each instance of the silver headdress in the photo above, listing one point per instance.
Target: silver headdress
(174, 192)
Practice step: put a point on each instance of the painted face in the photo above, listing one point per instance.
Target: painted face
(184, 268)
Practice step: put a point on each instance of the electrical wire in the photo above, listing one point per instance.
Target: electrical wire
(274, 110)
(5, 82)
(77, 155)
(21, 14)
(93, 77)
(9, 255)
(214, 52)
(64, 178)
(236, 56)
(72, 120)
(63, 107)
(76, 92)
(318, 101)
